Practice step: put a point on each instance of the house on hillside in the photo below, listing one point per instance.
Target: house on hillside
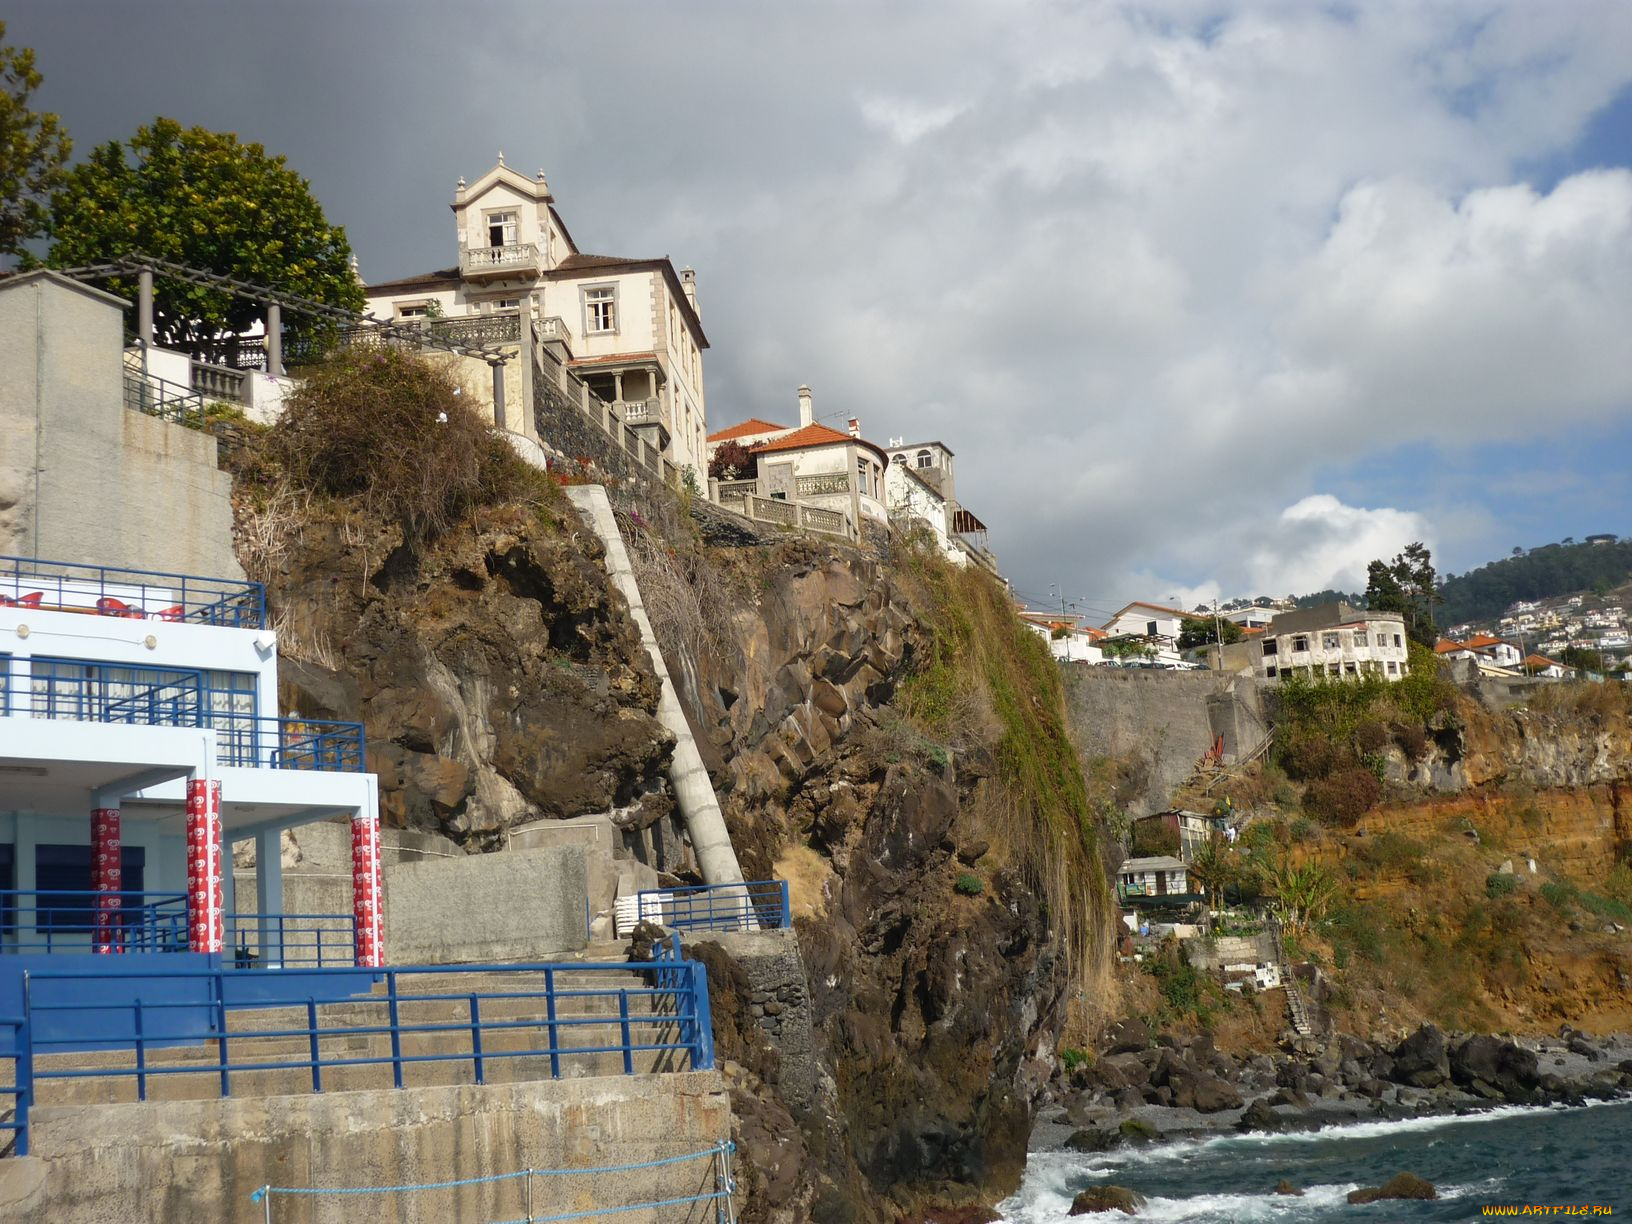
(1158, 879)
(1147, 620)
(1069, 640)
(1176, 831)
(810, 464)
(1333, 640)
(1550, 669)
(628, 328)
(1495, 650)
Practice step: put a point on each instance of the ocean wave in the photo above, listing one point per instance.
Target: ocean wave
(1053, 1207)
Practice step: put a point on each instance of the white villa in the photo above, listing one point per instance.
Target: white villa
(817, 467)
(628, 328)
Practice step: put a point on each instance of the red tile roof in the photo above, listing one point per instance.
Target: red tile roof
(1482, 639)
(1446, 646)
(1538, 662)
(753, 425)
(813, 435)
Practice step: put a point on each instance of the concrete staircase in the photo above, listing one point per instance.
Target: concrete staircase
(514, 1040)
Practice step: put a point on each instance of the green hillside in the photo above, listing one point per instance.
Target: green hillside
(1542, 573)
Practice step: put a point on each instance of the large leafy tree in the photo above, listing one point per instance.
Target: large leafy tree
(33, 151)
(1407, 585)
(201, 198)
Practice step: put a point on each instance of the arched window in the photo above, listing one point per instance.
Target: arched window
(925, 459)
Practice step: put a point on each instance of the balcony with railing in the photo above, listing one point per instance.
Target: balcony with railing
(76, 690)
(644, 412)
(129, 594)
(511, 259)
(495, 327)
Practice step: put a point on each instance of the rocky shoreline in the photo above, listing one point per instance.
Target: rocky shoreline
(1145, 1088)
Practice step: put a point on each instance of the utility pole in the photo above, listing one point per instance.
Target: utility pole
(1218, 637)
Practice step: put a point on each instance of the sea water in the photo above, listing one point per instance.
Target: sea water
(1565, 1158)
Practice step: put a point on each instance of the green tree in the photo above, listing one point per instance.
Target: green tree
(1200, 631)
(1409, 586)
(33, 152)
(201, 198)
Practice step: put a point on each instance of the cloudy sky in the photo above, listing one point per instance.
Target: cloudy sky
(1209, 298)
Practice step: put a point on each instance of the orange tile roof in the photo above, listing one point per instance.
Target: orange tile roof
(1482, 639)
(1139, 603)
(812, 435)
(1446, 646)
(753, 425)
(1538, 662)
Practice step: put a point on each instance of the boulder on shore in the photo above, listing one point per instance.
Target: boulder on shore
(1400, 1186)
(1422, 1060)
(1107, 1198)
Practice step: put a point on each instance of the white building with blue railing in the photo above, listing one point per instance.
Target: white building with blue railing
(140, 737)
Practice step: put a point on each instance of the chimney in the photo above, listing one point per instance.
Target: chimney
(855, 427)
(688, 282)
(806, 413)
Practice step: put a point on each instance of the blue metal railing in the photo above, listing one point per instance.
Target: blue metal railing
(35, 920)
(669, 1019)
(81, 690)
(141, 594)
(755, 905)
(317, 941)
(21, 1089)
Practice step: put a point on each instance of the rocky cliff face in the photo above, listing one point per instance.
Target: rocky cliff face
(504, 682)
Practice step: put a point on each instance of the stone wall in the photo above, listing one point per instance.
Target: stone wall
(779, 1003)
(580, 426)
(202, 1160)
(1160, 723)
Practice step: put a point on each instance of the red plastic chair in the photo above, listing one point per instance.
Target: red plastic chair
(173, 613)
(31, 600)
(109, 606)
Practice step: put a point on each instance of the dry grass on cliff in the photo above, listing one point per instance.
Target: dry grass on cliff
(394, 433)
(981, 658)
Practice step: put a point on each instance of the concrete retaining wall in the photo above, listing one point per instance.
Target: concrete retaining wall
(1230, 950)
(184, 1161)
(513, 906)
(83, 478)
(1161, 722)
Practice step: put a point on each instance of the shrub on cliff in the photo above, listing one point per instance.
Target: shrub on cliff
(1343, 797)
(394, 430)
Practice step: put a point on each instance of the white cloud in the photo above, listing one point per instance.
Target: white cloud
(1319, 543)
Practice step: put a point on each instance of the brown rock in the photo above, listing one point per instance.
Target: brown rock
(1400, 1186)
(1107, 1198)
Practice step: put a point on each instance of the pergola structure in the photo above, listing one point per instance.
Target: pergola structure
(274, 302)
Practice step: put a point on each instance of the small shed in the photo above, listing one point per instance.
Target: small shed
(1158, 878)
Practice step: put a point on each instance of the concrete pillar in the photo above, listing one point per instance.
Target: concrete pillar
(204, 918)
(498, 393)
(365, 888)
(144, 307)
(269, 895)
(107, 878)
(617, 387)
(274, 339)
(693, 791)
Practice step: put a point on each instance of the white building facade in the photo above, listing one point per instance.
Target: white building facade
(629, 328)
(1333, 640)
